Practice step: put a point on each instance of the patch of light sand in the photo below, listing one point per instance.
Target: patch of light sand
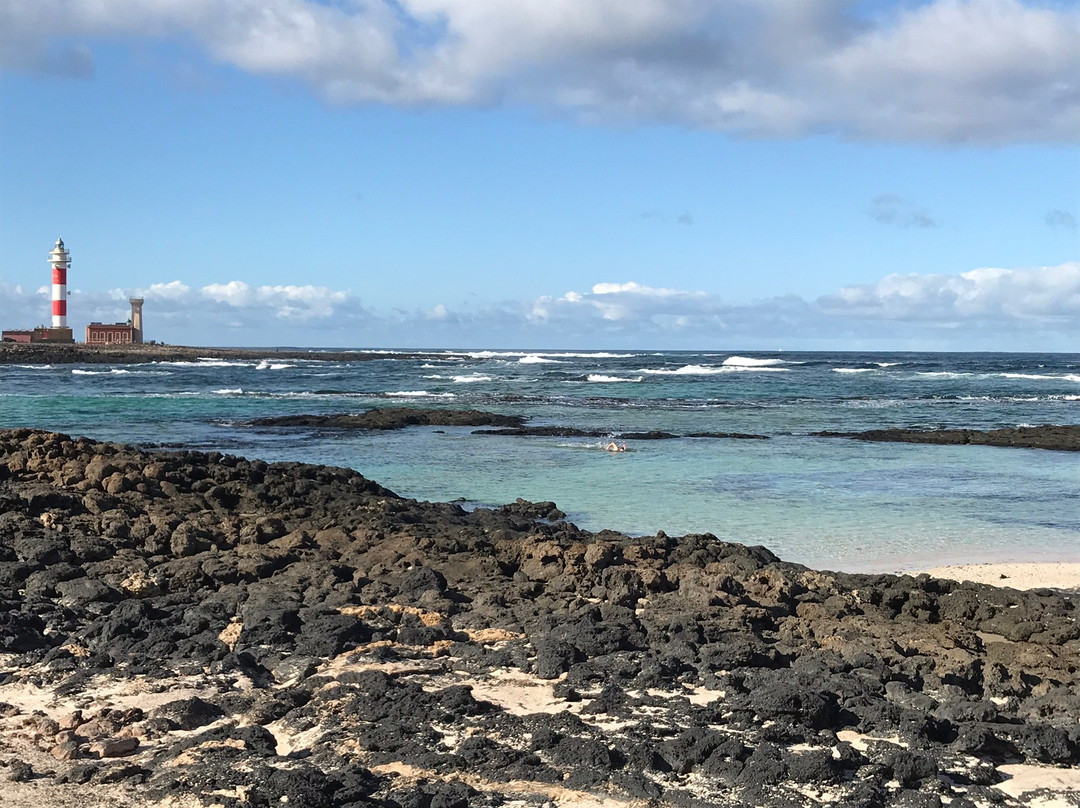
(518, 693)
(1027, 777)
(288, 742)
(101, 692)
(1018, 575)
(695, 695)
(860, 742)
(46, 793)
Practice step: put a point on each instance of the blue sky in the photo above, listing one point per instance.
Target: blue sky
(572, 173)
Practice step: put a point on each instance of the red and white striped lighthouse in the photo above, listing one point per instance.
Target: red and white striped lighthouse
(60, 260)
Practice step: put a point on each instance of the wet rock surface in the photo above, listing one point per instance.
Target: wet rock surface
(508, 425)
(1062, 438)
(394, 418)
(574, 432)
(202, 628)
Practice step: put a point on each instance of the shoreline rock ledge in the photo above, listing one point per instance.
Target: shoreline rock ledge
(1065, 438)
(186, 629)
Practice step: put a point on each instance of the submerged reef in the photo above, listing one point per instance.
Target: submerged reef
(190, 629)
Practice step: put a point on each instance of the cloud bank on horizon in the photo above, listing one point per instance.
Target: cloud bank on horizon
(992, 308)
(942, 71)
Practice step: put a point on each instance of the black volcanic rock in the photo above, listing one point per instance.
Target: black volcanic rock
(393, 418)
(81, 353)
(574, 432)
(545, 432)
(311, 635)
(1062, 438)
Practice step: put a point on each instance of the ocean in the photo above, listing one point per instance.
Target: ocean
(826, 502)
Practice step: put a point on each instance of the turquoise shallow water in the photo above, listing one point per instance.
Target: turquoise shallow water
(825, 502)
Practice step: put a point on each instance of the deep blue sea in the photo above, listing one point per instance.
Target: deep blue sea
(832, 503)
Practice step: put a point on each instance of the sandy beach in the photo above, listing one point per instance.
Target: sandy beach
(1063, 575)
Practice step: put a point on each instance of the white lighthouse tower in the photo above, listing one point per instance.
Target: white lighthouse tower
(60, 260)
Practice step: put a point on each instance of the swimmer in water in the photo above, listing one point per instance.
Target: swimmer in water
(614, 447)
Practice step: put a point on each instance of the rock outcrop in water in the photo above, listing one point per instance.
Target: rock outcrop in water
(1062, 438)
(393, 418)
(44, 353)
(509, 425)
(200, 629)
(574, 432)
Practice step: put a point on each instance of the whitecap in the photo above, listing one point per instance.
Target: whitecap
(709, 370)
(537, 359)
(212, 361)
(887, 364)
(229, 391)
(113, 372)
(751, 362)
(853, 370)
(207, 362)
(418, 394)
(266, 364)
(556, 354)
(599, 377)
(469, 378)
(1068, 377)
(1035, 376)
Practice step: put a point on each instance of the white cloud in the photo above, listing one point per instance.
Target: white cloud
(235, 293)
(945, 70)
(633, 289)
(286, 302)
(173, 290)
(1009, 297)
(987, 308)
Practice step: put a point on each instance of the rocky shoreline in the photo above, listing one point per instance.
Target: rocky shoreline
(1064, 438)
(12, 353)
(190, 629)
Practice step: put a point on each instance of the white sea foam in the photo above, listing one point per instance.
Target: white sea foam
(537, 359)
(554, 354)
(710, 370)
(113, 372)
(469, 378)
(464, 378)
(212, 361)
(207, 362)
(751, 362)
(599, 377)
(229, 391)
(418, 394)
(268, 365)
(887, 364)
(34, 367)
(1068, 377)
(853, 370)
(942, 374)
